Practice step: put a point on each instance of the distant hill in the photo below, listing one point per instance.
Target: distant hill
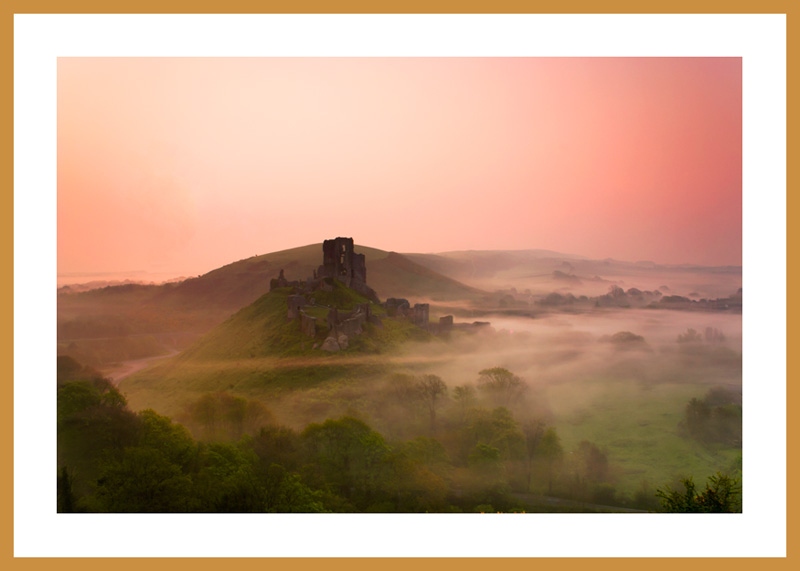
(388, 273)
(544, 271)
(477, 266)
(112, 314)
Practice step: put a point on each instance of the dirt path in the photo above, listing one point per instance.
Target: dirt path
(127, 368)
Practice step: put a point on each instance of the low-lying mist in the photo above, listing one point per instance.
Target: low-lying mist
(620, 379)
(561, 347)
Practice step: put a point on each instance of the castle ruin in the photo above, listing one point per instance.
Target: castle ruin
(340, 262)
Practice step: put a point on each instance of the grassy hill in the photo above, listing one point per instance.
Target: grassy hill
(399, 276)
(259, 353)
(262, 329)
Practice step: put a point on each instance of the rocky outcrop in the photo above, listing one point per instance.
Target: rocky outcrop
(330, 344)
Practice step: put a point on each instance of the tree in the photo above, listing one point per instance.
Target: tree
(172, 439)
(93, 424)
(551, 453)
(431, 388)
(533, 431)
(226, 481)
(143, 480)
(347, 454)
(593, 462)
(499, 430)
(465, 397)
(66, 497)
(698, 415)
(286, 493)
(691, 336)
(720, 496)
(504, 386)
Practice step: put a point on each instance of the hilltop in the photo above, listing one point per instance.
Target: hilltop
(132, 321)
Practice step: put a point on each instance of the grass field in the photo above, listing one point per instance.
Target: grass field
(638, 427)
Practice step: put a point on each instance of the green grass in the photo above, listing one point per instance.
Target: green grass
(637, 426)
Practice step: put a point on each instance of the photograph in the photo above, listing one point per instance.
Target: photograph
(443, 285)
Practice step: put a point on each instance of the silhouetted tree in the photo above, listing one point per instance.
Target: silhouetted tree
(551, 453)
(432, 389)
(465, 397)
(533, 431)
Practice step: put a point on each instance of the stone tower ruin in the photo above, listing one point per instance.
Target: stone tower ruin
(340, 261)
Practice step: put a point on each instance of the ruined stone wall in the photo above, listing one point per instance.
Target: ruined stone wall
(396, 306)
(420, 315)
(308, 324)
(352, 326)
(359, 267)
(333, 320)
(295, 302)
(364, 308)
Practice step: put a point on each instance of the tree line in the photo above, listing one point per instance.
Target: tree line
(237, 458)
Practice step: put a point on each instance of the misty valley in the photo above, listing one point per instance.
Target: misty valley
(336, 377)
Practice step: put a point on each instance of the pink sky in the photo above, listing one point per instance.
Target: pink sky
(179, 166)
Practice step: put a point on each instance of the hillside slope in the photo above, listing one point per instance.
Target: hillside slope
(262, 329)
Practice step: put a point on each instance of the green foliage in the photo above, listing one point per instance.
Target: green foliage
(551, 454)
(499, 430)
(427, 451)
(227, 482)
(716, 418)
(348, 454)
(173, 440)
(92, 424)
(479, 456)
(721, 495)
(143, 480)
(277, 445)
(501, 385)
(286, 493)
(221, 417)
(340, 296)
(412, 486)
